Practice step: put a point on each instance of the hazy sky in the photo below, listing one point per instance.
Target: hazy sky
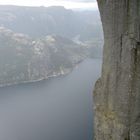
(66, 3)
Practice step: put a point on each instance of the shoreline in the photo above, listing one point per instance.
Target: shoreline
(34, 81)
(46, 78)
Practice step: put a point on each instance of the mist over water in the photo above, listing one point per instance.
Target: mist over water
(54, 109)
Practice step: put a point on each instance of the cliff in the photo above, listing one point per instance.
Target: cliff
(117, 92)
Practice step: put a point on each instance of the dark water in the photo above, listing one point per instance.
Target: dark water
(54, 109)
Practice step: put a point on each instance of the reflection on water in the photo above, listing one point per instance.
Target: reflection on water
(54, 109)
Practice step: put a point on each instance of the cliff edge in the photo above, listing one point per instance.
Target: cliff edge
(117, 92)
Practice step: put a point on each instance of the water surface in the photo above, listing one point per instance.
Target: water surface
(54, 109)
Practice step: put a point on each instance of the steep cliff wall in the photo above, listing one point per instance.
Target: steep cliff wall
(117, 92)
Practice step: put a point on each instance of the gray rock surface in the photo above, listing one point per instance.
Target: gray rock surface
(117, 92)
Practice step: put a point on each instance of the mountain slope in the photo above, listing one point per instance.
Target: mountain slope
(23, 59)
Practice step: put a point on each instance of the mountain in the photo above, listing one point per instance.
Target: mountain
(41, 42)
(23, 59)
(41, 21)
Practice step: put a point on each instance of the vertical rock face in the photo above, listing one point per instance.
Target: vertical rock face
(117, 92)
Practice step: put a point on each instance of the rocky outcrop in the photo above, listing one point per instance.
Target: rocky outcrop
(117, 92)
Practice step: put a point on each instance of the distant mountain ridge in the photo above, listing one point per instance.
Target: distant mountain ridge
(41, 21)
